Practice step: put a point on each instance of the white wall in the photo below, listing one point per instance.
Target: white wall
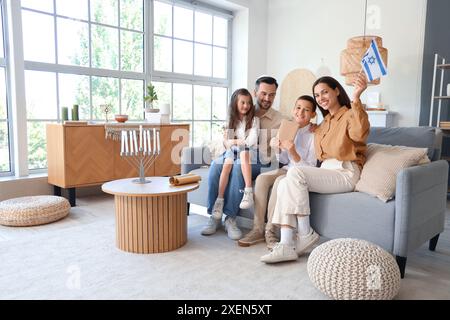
(303, 33)
(22, 187)
(249, 44)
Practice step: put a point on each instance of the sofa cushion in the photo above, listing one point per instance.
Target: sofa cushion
(349, 214)
(419, 137)
(200, 196)
(216, 147)
(383, 163)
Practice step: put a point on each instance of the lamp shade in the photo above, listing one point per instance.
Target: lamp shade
(351, 57)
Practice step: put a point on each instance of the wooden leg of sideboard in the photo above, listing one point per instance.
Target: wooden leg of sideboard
(72, 197)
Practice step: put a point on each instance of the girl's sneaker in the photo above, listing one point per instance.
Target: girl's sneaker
(211, 226)
(247, 200)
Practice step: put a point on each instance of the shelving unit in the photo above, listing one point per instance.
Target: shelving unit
(439, 65)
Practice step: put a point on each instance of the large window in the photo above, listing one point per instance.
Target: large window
(190, 66)
(96, 52)
(5, 125)
(85, 52)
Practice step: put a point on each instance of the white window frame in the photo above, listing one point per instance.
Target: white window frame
(4, 62)
(16, 75)
(85, 70)
(173, 77)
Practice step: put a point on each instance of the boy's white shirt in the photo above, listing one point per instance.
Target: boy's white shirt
(304, 145)
(251, 140)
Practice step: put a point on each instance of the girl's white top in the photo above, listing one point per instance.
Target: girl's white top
(251, 136)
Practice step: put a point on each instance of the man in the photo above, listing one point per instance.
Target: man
(270, 120)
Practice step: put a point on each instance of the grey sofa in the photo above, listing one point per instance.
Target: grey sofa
(414, 216)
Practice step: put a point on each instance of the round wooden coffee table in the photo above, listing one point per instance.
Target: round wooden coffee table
(151, 217)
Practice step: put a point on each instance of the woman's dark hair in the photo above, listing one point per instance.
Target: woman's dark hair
(343, 98)
(309, 99)
(233, 114)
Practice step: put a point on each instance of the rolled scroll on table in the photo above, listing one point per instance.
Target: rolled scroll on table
(184, 179)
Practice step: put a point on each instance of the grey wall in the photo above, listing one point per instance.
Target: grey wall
(437, 40)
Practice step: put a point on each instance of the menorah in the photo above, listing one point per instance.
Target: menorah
(143, 156)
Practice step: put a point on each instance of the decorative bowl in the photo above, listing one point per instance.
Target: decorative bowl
(121, 117)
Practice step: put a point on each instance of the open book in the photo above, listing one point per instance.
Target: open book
(288, 130)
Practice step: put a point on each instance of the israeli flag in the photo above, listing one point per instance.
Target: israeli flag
(372, 62)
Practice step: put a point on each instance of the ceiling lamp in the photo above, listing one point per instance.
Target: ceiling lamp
(351, 57)
(356, 48)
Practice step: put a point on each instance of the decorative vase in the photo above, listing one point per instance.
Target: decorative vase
(65, 113)
(165, 113)
(75, 114)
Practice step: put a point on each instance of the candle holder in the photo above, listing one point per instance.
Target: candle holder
(106, 108)
(143, 155)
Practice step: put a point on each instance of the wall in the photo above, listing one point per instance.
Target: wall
(36, 185)
(312, 33)
(437, 40)
(249, 55)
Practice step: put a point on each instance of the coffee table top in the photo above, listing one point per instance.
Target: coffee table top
(157, 187)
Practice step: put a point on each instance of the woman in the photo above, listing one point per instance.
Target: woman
(340, 143)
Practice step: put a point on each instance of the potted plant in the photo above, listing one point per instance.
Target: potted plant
(149, 98)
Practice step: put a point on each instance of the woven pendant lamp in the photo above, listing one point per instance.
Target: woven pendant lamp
(356, 48)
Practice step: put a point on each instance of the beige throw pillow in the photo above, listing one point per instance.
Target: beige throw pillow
(383, 163)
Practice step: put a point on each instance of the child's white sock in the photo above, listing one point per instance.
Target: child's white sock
(286, 236)
(217, 211)
(219, 200)
(248, 189)
(303, 225)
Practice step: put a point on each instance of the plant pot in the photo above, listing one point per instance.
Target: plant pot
(151, 110)
(153, 117)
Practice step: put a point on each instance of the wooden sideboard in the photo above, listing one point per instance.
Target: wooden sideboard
(81, 156)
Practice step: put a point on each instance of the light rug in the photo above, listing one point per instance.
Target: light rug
(76, 258)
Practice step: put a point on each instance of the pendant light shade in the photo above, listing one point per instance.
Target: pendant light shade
(351, 57)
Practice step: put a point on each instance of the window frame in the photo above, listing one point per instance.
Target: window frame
(18, 163)
(4, 63)
(194, 80)
(89, 71)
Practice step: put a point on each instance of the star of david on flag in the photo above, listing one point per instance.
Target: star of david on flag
(372, 62)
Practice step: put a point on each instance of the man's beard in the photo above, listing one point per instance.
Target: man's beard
(259, 105)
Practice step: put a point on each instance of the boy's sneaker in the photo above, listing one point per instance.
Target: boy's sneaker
(211, 226)
(253, 237)
(281, 252)
(247, 200)
(234, 233)
(217, 211)
(306, 242)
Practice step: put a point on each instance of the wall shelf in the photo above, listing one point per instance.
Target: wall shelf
(439, 65)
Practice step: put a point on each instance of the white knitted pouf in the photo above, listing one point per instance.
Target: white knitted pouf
(353, 269)
(33, 210)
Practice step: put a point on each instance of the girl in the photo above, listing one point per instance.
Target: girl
(340, 143)
(240, 140)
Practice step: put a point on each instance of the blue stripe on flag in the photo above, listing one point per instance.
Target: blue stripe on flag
(369, 74)
(377, 55)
